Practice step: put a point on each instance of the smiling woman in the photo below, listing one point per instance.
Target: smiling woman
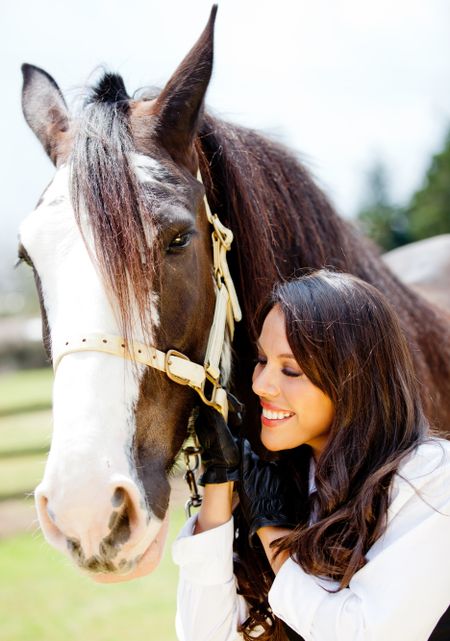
(359, 481)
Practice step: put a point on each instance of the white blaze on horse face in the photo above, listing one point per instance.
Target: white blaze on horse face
(148, 169)
(94, 394)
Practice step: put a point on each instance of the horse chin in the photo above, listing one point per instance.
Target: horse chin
(146, 563)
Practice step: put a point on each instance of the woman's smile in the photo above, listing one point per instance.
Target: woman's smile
(272, 415)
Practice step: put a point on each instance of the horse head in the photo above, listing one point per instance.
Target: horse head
(120, 246)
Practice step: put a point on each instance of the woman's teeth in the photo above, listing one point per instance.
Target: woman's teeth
(275, 415)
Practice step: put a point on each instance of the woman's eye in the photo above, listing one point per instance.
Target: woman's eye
(180, 241)
(290, 372)
(260, 360)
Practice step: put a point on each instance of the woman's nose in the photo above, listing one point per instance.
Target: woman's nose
(264, 384)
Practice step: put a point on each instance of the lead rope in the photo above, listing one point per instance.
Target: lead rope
(192, 460)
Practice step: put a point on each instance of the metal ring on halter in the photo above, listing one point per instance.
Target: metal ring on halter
(200, 389)
(211, 402)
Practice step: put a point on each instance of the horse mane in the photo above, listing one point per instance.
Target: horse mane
(284, 223)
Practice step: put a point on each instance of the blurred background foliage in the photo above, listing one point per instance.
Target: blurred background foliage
(426, 214)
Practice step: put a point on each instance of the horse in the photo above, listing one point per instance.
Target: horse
(425, 267)
(120, 246)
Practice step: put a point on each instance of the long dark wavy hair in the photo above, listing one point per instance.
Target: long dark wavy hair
(348, 341)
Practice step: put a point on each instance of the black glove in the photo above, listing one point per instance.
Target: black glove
(264, 495)
(220, 451)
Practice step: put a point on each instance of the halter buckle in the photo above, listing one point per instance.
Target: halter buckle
(173, 377)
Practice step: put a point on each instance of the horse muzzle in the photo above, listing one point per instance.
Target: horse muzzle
(105, 530)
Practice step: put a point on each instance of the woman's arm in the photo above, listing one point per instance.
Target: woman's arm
(208, 607)
(207, 604)
(268, 535)
(404, 587)
(216, 507)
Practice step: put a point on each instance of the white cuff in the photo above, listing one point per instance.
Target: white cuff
(205, 558)
(295, 597)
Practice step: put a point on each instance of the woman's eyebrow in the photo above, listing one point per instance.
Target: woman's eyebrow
(287, 355)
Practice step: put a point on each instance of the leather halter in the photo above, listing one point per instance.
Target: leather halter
(204, 379)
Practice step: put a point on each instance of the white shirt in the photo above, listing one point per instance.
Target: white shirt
(399, 595)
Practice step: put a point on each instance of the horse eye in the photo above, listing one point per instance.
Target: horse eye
(180, 241)
(22, 257)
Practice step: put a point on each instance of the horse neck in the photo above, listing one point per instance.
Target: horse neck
(281, 220)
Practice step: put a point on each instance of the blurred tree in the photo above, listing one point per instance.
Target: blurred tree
(385, 223)
(429, 210)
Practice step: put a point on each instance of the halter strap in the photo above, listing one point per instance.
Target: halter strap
(204, 379)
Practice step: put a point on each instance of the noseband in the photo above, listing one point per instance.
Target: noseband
(204, 379)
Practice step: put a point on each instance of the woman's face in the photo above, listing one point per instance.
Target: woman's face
(294, 411)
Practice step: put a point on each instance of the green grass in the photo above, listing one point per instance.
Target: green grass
(20, 475)
(44, 598)
(25, 390)
(25, 431)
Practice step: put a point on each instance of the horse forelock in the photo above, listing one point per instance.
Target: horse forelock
(108, 194)
(109, 89)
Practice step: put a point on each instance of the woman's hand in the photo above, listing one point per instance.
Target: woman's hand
(220, 458)
(220, 452)
(263, 494)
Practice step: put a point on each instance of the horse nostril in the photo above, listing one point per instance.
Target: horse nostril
(120, 530)
(118, 497)
(47, 519)
(119, 523)
(125, 512)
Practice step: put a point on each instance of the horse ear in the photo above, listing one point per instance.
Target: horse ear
(45, 109)
(179, 107)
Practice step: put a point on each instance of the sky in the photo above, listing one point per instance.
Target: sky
(344, 83)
